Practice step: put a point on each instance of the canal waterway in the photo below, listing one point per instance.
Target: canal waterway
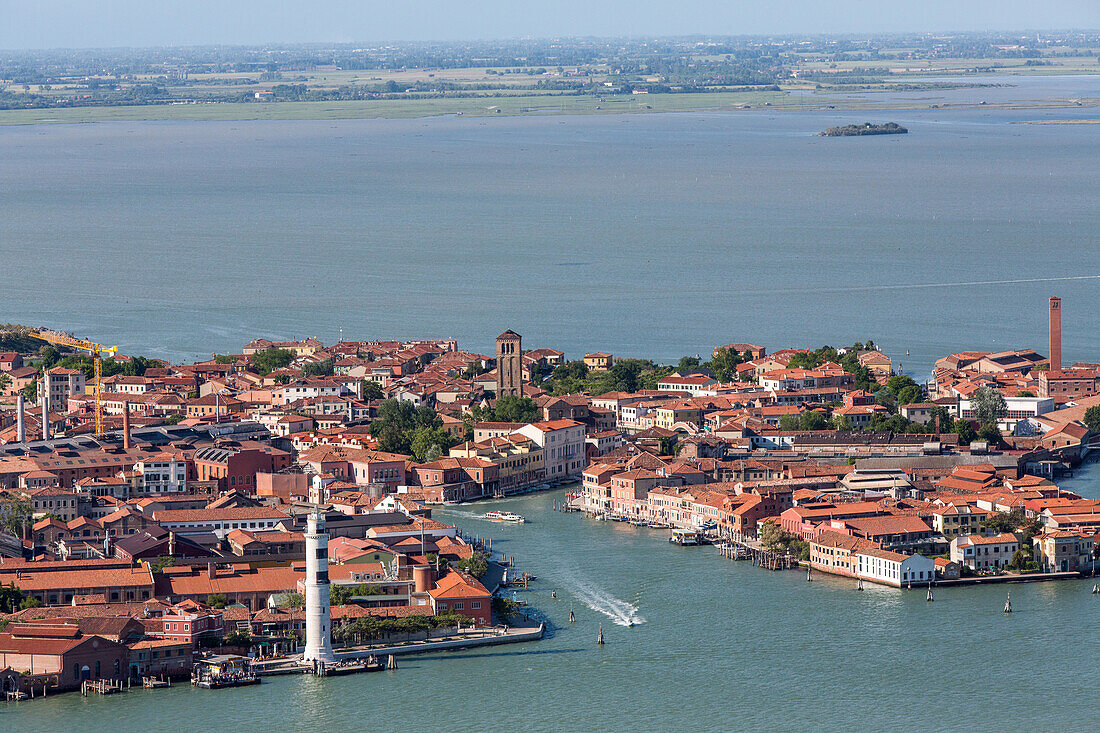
(716, 645)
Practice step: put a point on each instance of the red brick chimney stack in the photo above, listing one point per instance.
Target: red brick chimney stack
(1055, 334)
(126, 427)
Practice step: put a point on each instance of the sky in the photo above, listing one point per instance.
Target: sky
(36, 24)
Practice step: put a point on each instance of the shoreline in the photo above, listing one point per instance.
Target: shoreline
(536, 106)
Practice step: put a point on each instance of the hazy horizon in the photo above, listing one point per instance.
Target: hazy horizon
(81, 24)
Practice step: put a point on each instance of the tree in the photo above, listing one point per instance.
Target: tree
(341, 595)
(1092, 418)
(293, 600)
(989, 433)
(14, 515)
(510, 408)
(770, 535)
(724, 364)
(687, 363)
(910, 394)
(372, 391)
(268, 360)
(29, 602)
(940, 419)
(238, 637)
(504, 607)
(965, 431)
(217, 600)
(788, 423)
(161, 563)
(433, 440)
(10, 598)
(812, 420)
(30, 392)
(1001, 522)
(988, 405)
(899, 382)
(841, 422)
(318, 369)
(476, 565)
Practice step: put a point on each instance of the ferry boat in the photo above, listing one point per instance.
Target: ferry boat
(686, 537)
(504, 517)
(219, 671)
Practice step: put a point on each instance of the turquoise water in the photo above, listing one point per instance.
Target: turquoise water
(650, 235)
(717, 645)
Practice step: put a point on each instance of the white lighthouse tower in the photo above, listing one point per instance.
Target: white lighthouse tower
(318, 615)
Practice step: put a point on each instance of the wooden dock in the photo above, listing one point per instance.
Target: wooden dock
(760, 557)
(103, 687)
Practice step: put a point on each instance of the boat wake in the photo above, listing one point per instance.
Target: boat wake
(620, 612)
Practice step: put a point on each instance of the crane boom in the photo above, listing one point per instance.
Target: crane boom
(96, 350)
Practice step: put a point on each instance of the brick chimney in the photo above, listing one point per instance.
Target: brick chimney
(211, 570)
(126, 426)
(1055, 334)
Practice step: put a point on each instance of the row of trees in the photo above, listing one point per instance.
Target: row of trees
(403, 428)
(373, 627)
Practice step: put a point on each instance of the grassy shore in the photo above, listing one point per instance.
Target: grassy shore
(488, 106)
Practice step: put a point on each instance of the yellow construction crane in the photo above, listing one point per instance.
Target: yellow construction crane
(96, 350)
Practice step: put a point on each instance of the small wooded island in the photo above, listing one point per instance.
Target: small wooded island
(888, 128)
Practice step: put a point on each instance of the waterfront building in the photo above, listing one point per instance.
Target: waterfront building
(62, 651)
(160, 658)
(464, 594)
(457, 479)
(836, 552)
(318, 620)
(188, 623)
(894, 568)
(562, 442)
(979, 552)
(1062, 551)
(518, 459)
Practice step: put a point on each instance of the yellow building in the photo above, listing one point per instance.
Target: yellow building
(666, 416)
(599, 361)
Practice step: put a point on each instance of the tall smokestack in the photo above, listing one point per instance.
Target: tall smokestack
(126, 426)
(1055, 334)
(20, 424)
(46, 411)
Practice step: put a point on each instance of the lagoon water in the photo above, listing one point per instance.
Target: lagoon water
(717, 646)
(643, 235)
